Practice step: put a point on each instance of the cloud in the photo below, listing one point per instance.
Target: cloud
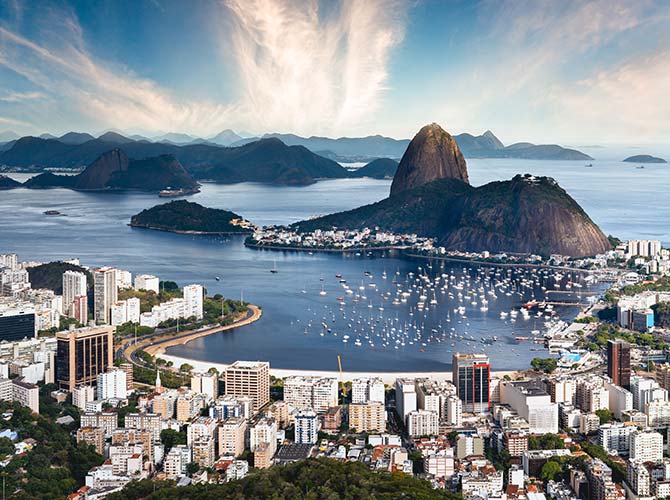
(307, 67)
(101, 94)
(22, 96)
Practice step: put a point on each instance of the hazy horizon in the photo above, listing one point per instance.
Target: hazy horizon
(575, 73)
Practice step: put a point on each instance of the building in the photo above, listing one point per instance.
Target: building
(176, 461)
(264, 433)
(82, 354)
(203, 452)
(515, 442)
(128, 368)
(639, 478)
(332, 419)
(237, 470)
(405, 397)
(147, 282)
(263, 454)
(82, 395)
(104, 294)
(561, 390)
(26, 394)
(133, 310)
(112, 384)
(469, 445)
(615, 436)
(249, 378)
(646, 446)
(367, 417)
(618, 362)
(439, 464)
(80, 309)
(422, 423)
(118, 313)
(472, 378)
(145, 422)
(17, 321)
(620, 399)
(306, 427)
(366, 390)
(74, 285)
(188, 406)
(201, 427)
(106, 420)
(231, 436)
(317, 393)
(205, 383)
(193, 298)
(533, 460)
(93, 436)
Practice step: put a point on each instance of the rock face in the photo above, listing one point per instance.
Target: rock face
(433, 154)
(527, 214)
(98, 174)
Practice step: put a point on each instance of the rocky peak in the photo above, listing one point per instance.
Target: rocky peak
(431, 155)
(98, 173)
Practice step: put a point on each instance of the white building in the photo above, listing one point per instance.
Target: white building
(306, 427)
(147, 282)
(317, 393)
(112, 385)
(193, 298)
(405, 397)
(646, 446)
(367, 390)
(175, 462)
(119, 313)
(264, 432)
(422, 423)
(82, 395)
(133, 310)
(533, 403)
(615, 436)
(74, 284)
(620, 399)
(105, 294)
(237, 470)
(206, 383)
(658, 413)
(124, 279)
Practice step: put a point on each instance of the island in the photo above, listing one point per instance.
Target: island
(644, 159)
(8, 182)
(185, 217)
(381, 168)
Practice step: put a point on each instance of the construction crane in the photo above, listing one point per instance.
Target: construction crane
(344, 389)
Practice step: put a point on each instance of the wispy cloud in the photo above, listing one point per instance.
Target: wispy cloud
(21, 96)
(307, 68)
(102, 94)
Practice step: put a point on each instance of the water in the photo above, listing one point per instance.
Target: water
(623, 200)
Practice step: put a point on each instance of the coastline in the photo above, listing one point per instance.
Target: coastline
(322, 250)
(187, 232)
(347, 376)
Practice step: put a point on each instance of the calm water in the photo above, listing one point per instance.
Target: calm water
(623, 200)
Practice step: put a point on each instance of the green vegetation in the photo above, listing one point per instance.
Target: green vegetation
(546, 442)
(185, 216)
(169, 379)
(50, 276)
(618, 470)
(307, 479)
(660, 285)
(586, 320)
(550, 470)
(170, 438)
(607, 332)
(546, 365)
(604, 415)
(661, 314)
(56, 466)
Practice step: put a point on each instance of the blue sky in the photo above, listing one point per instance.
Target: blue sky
(573, 72)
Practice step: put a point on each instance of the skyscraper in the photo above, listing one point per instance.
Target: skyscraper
(472, 376)
(618, 362)
(193, 301)
(74, 285)
(82, 354)
(105, 294)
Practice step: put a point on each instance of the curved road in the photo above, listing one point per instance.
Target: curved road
(155, 344)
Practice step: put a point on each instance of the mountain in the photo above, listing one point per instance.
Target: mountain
(644, 159)
(225, 138)
(175, 138)
(114, 137)
(8, 135)
(267, 160)
(48, 136)
(432, 154)
(185, 217)
(114, 171)
(526, 214)
(75, 138)
(381, 168)
(8, 182)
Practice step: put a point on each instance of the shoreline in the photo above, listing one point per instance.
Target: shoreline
(347, 376)
(323, 250)
(190, 233)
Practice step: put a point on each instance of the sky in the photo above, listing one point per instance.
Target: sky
(544, 71)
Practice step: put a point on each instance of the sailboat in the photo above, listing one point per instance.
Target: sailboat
(274, 268)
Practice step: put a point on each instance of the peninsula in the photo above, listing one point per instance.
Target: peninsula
(181, 216)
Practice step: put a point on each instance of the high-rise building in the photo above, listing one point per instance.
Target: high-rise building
(205, 383)
(112, 384)
(193, 296)
(264, 433)
(366, 390)
(405, 396)
(618, 362)
(133, 309)
(317, 393)
(646, 446)
(472, 377)
(17, 321)
(306, 427)
(80, 309)
(249, 378)
(367, 417)
(74, 285)
(422, 423)
(231, 436)
(82, 354)
(104, 294)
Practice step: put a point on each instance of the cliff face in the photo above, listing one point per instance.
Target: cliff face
(98, 174)
(431, 155)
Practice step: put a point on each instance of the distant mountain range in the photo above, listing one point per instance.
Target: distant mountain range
(343, 149)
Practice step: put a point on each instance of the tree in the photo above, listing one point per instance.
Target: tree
(185, 367)
(192, 468)
(546, 365)
(604, 415)
(550, 470)
(170, 438)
